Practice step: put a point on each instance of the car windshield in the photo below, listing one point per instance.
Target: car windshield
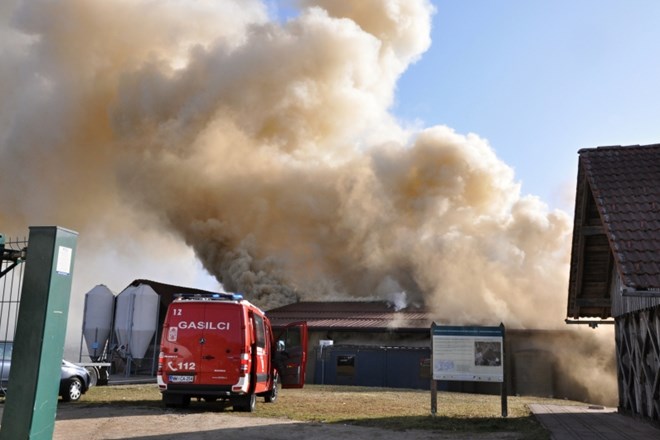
(5, 350)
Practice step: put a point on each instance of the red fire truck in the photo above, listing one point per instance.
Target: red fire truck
(220, 346)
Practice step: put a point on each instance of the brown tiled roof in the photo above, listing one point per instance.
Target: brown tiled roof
(352, 316)
(617, 225)
(625, 182)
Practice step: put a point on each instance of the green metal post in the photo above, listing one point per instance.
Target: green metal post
(31, 403)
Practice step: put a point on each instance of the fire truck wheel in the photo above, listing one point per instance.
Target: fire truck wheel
(176, 401)
(245, 403)
(271, 396)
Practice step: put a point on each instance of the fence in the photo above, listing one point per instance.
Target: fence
(12, 253)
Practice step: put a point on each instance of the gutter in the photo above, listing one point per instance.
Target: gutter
(593, 323)
(640, 293)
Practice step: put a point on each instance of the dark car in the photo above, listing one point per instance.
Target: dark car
(74, 381)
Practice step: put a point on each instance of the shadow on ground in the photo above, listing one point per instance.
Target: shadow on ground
(529, 425)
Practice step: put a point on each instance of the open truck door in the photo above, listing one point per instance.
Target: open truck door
(290, 354)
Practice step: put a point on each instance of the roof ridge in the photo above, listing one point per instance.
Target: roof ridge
(618, 147)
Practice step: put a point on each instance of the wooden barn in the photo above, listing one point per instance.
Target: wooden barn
(615, 264)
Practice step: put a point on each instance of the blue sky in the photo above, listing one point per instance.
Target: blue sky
(540, 80)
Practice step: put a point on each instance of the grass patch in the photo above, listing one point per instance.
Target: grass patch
(142, 395)
(388, 408)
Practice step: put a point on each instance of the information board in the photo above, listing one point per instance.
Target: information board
(468, 353)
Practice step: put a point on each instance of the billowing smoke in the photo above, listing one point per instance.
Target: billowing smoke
(269, 148)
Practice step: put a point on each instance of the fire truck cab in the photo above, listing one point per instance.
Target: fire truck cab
(220, 346)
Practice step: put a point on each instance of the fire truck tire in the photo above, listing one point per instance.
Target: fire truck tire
(271, 396)
(175, 401)
(246, 403)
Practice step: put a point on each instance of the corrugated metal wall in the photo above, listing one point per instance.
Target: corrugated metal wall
(373, 366)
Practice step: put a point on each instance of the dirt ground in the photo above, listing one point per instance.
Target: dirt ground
(84, 422)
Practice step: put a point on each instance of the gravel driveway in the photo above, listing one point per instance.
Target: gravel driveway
(79, 421)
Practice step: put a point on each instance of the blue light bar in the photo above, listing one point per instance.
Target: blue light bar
(221, 295)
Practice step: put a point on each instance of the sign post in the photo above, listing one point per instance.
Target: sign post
(467, 353)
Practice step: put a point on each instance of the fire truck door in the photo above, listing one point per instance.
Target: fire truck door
(290, 354)
(262, 364)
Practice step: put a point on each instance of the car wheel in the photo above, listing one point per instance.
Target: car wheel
(271, 396)
(73, 390)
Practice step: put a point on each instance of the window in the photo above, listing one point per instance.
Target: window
(260, 331)
(290, 339)
(345, 365)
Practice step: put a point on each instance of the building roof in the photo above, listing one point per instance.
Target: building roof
(352, 316)
(167, 291)
(322, 315)
(616, 228)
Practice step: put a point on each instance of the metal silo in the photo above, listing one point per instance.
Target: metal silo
(136, 320)
(97, 320)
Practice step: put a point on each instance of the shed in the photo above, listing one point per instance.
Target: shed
(615, 264)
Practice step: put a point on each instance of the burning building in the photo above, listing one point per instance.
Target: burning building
(268, 147)
(377, 344)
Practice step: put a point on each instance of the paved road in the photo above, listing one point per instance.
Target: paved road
(591, 423)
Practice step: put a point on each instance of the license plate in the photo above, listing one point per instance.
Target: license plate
(181, 379)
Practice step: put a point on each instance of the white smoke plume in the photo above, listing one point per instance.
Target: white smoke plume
(269, 148)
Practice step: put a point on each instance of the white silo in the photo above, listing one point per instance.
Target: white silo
(97, 320)
(136, 319)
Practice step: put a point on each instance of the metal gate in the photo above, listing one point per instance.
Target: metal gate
(13, 253)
